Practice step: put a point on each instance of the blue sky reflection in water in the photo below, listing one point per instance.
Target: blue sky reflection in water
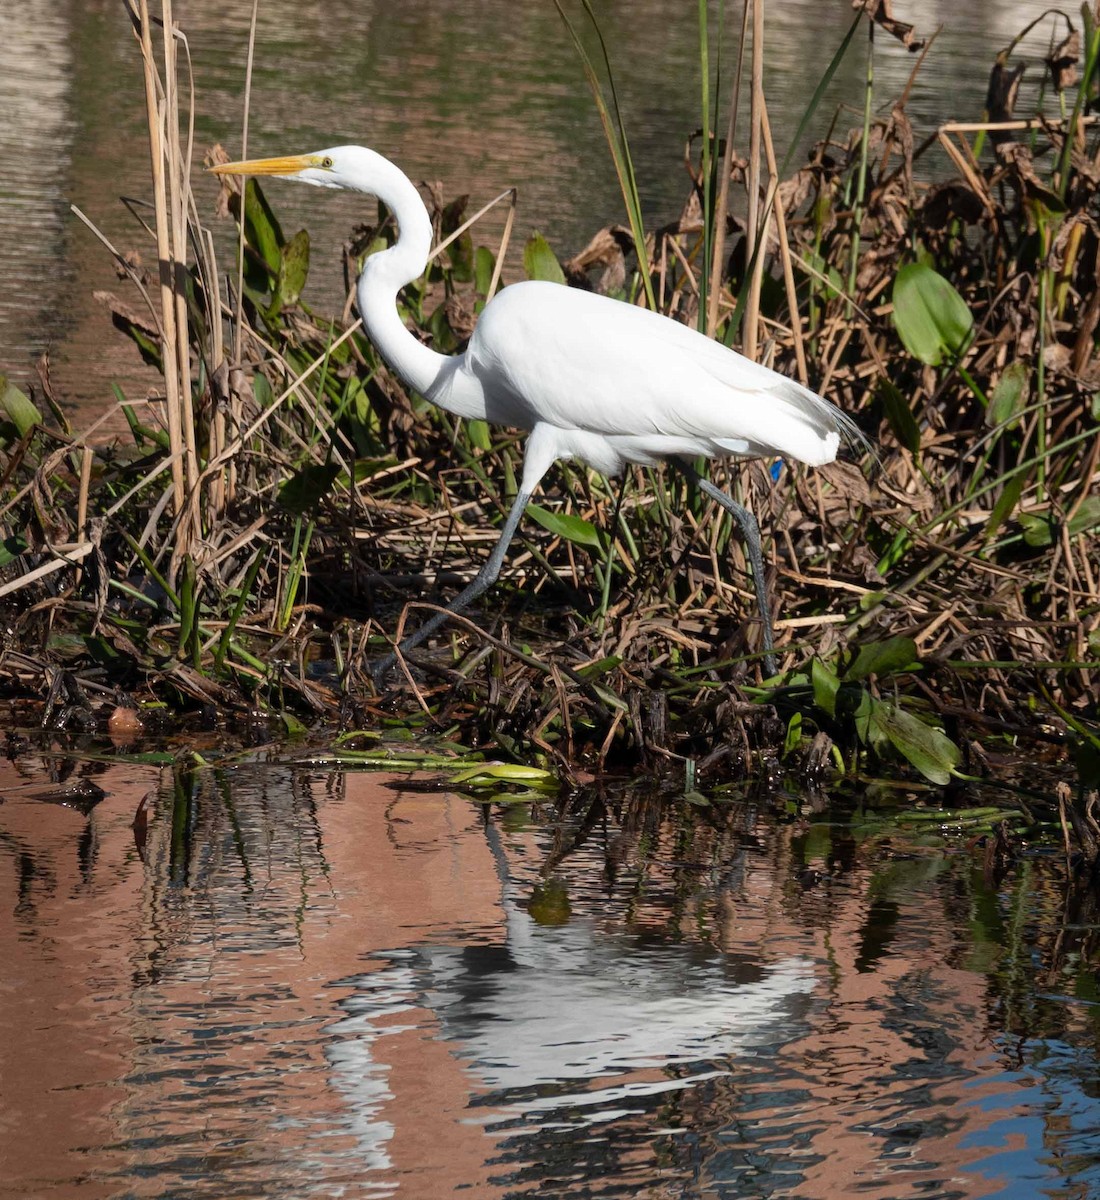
(315, 983)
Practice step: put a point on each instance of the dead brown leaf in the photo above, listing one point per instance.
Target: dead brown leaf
(1063, 60)
(880, 11)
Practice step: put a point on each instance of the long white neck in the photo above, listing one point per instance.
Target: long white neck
(387, 272)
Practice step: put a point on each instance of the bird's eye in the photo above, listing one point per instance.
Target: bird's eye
(326, 162)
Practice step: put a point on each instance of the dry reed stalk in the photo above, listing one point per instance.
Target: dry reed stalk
(972, 177)
(178, 188)
(776, 208)
(87, 459)
(239, 323)
(67, 556)
(169, 341)
(754, 256)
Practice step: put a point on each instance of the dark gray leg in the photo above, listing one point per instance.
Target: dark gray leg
(482, 581)
(750, 531)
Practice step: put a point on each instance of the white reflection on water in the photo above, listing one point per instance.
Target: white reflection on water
(557, 1006)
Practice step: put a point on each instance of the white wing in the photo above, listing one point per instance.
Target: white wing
(576, 360)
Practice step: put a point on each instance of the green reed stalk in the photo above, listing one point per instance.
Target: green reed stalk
(299, 549)
(705, 167)
(816, 98)
(1084, 90)
(238, 610)
(615, 132)
(861, 177)
(1040, 365)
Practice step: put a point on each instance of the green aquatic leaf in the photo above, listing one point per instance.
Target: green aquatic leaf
(899, 416)
(18, 408)
(1038, 529)
(11, 548)
(486, 774)
(261, 227)
(1086, 517)
(826, 685)
(794, 734)
(930, 750)
(305, 488)
(602, 666)
(932, 319)
(1010, 395)
(540, 262)
(484, 264)
(1006, 503)
(869, 728)
(565, 525)
(479, 434)
(293, 270)
(883, 658)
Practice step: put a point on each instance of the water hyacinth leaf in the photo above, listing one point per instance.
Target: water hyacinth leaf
(932, 319)
(293, 269)
(18, 408)
(1009, 397)
(540, 262)
(899, 416)
(932, 752)
(565, 525)
(826, 685)
(883, 658)
(303, 490)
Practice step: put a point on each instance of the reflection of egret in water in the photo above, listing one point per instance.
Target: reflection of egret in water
(566, 1026)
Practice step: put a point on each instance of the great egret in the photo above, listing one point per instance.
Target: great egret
(591, 378)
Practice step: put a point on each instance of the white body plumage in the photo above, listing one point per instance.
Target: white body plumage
(591, 378)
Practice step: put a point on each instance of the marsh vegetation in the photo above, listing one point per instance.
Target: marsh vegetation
(285, 501)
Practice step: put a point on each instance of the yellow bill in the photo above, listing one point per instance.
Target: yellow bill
(290, 164)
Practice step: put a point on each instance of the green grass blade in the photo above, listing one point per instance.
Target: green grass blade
(616, 141)
(819, 92)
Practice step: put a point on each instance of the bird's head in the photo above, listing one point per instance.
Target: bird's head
(338, 167)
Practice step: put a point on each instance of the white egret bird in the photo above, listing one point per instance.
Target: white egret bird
(589, 377)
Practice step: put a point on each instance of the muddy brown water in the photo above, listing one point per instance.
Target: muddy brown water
(279, 979)
(481, 96)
